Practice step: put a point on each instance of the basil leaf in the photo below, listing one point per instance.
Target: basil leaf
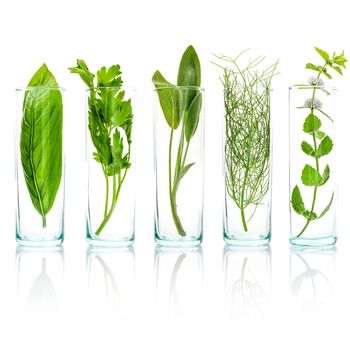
(297, 201)
(324, 147)
(169, 99)
(311, 124)
(307, 148)
(192, 118)
(41, 140)
(310, 176)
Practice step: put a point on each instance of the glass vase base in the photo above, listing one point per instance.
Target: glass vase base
(250, 242)
(179, 243)
(99, 243)
(313, 242)
(39, 243)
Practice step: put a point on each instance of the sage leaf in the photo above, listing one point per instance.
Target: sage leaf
(169, 99)
(311, 124)
(41, 140)
(324, 147)
(310, 176)
(192, 118)
(297, 201)
(182, 173)
(189, 75)
(324, 211)
(325, 175)
(307, 148)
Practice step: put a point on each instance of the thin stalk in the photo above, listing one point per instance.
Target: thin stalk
(172, 194)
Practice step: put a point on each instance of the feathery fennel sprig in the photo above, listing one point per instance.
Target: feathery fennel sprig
(321, 144)
(247, 119)
(110, 119)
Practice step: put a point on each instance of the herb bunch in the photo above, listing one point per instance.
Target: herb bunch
(247, 128)
(321, 144)
(110, 119)
(181, 105)
(41, 140)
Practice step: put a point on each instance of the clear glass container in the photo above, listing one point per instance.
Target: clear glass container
(39, 166)
(179, 166)
(247, 161)
(312, 168)
(110, 218)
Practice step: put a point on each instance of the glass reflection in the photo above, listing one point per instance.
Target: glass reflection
(311, 279)
(247, 286)
(179, 281)
(111, 278)
(40, 280)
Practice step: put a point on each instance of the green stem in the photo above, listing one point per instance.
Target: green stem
(244, 223)
(107, 192)
(172, 194)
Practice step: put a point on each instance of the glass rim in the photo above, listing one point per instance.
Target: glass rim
(310, 87)
(232, 89)
(32, 88)
(126, 87)
(182, 87)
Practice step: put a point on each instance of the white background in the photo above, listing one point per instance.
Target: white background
(63, 310)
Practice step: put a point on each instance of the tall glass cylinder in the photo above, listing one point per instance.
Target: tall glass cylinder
(312, 168)
(110, 156)
(179, 165)
(247, 167)
(40, 164)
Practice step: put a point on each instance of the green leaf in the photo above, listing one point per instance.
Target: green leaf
(325, 175)
(337, 69)
(310, 215)
(320, 134)
(312, 67)
(169, 99)
(192, 118)
(297, 201)
(83, 70)
(189, 75)
(323, 54)
(110, 77)
(311, 124)
(325, 210)
(117, 155)
(41, 140)
(307, 148)
(310, 176)
(324, 147)
(325, 73)
(182, 173)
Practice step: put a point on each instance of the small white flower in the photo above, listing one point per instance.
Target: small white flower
(316, 81)
(313, 103)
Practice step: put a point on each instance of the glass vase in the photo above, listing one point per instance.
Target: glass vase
(247, 158)
(312, 170)
(39, 166)
(110, 157)
(179, 162)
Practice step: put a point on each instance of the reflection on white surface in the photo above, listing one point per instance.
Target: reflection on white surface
(111, 278)
(179, 281)
(247, 282)
(40, 278)
(311, 278)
